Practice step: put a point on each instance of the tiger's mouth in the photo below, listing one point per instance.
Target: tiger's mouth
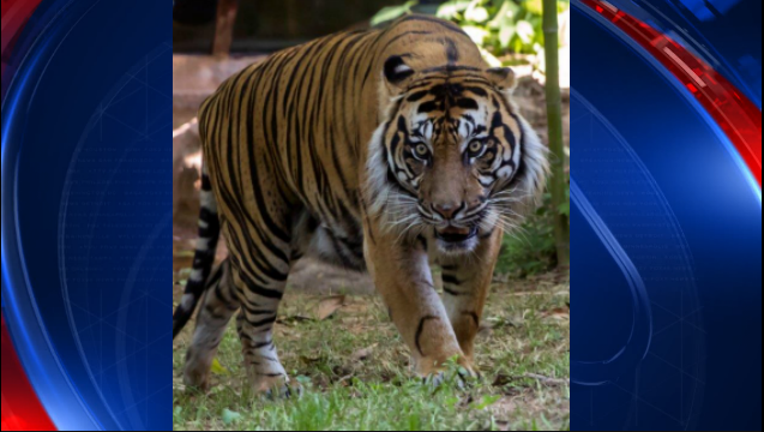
(454, 239)
(455, 235)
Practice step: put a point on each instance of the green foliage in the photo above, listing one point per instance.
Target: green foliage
(392, 12)
(532, 249)
(497, 26)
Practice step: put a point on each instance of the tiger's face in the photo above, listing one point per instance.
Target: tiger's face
(454, 154)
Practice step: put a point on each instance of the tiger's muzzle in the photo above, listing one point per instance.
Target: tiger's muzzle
(456, 227)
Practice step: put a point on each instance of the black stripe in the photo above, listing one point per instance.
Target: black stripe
(413, 97)
(228, 196)
(448, 68)
(419, 330)
(261, 345)
(212, 230)
(474, 317)
(466, 103)
(211, 312)
(293, 118)
(216, 276)
(259, 260)
(270, 224)
(452, 292)
(259, 290)
(343, 89)
(450, 279)
(428, 106)
(247, 265)
(229, 304)
(253, 311)
(486, 235)
(242, 333)
(206, 184)
(477, 90)
(203, 260)
(262, 322)
(452, 53)
(402, 35)
(423, 241)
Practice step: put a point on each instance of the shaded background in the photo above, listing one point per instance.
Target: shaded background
(271, 24)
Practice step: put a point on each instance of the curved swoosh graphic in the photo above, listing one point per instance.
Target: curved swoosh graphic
(599, 372)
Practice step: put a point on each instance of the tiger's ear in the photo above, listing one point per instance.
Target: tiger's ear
(397, 73)
(502, 77)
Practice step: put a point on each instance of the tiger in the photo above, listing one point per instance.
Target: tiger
(386, 150)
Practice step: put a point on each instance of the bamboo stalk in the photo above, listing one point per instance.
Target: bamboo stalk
(554, 124)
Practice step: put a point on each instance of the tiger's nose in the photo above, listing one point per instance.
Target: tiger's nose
(447, 210)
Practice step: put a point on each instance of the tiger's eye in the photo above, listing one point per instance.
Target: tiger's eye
(475, 147)
(421, 150)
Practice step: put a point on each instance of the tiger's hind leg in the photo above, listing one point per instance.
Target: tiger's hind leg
(218, 306)
(259, 308)
(260, 287)
(261, 360)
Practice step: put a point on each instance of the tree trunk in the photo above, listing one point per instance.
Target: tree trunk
(554, 123)
(226, 17)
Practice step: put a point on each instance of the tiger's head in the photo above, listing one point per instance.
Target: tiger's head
(452, 154)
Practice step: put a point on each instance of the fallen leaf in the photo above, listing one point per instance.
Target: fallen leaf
(560, 313)
(218, 368)
(310, 360)
(328, 306)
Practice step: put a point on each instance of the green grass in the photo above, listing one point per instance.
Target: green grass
(356, 374)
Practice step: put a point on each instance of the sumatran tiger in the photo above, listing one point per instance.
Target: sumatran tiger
(387, 150)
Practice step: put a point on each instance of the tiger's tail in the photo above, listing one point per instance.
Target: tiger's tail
(204, 257)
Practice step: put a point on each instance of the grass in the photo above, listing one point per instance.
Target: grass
(355, 370)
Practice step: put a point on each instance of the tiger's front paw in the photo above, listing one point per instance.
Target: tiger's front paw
(277, 387)
(196, 380)
(459, 371)
(285, 391)
(196, 372)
